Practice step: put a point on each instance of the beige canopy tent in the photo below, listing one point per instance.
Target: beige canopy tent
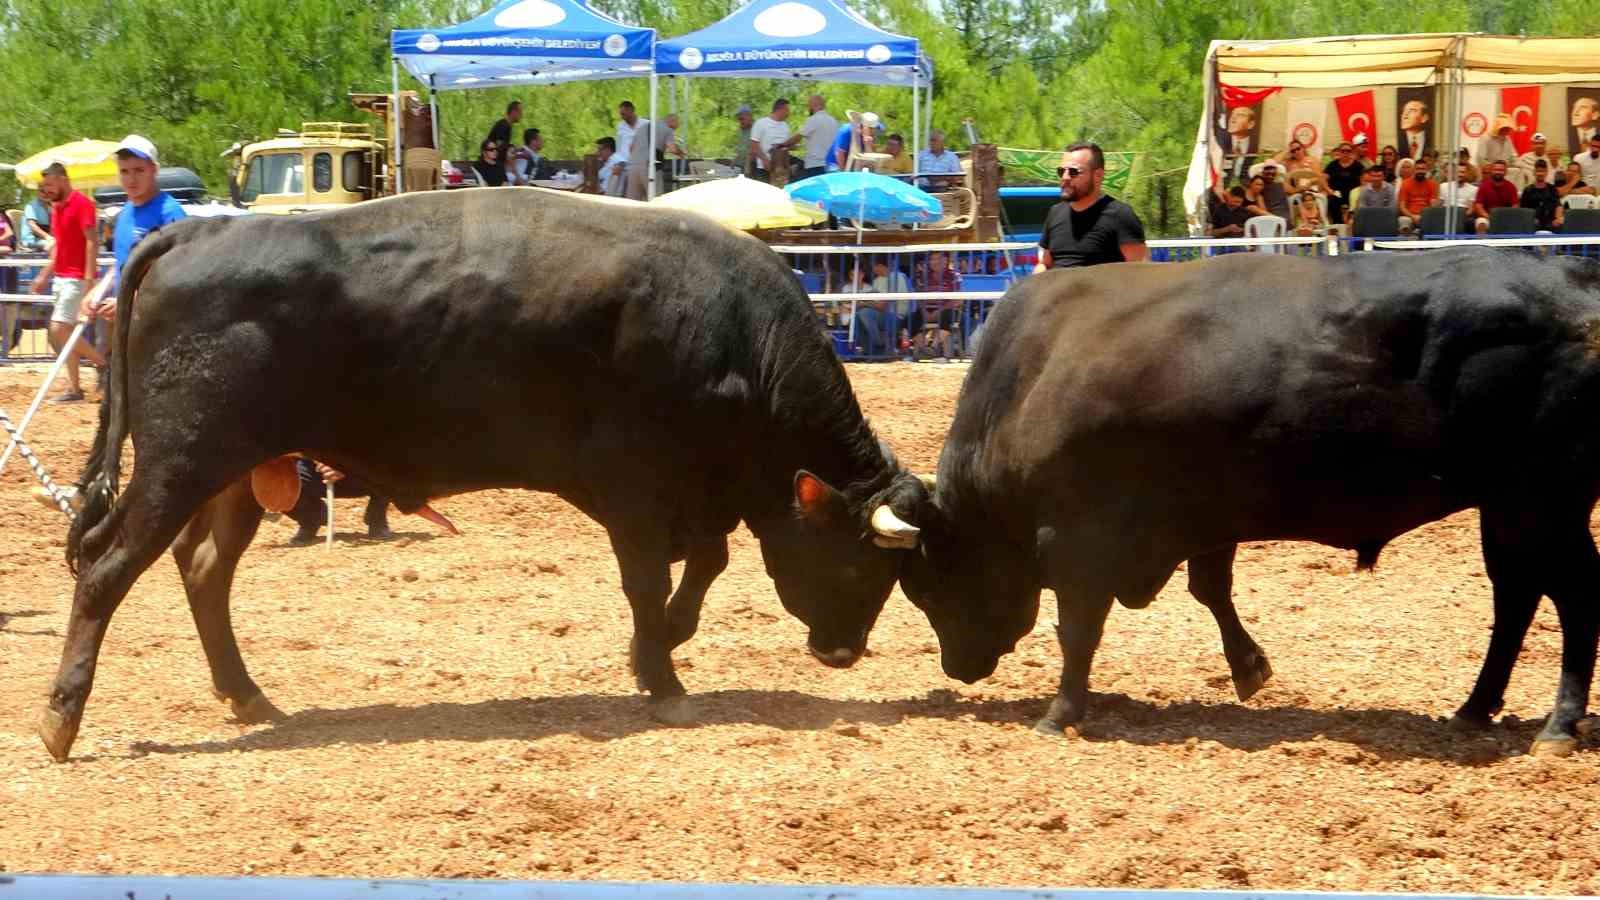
(1330, 65)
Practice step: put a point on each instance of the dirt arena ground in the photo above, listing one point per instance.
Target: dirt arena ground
(462, 707)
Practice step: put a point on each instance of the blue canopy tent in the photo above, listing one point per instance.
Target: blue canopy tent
(820, 40)
(521, 42)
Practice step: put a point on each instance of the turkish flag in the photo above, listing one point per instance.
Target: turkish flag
(1233, 98)
(1522, 105)
(1358, 114)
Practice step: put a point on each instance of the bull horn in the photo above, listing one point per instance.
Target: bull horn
(893, 531)
(928, 481)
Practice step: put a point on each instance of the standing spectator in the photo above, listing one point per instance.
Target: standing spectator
(611, 184)
(35, 236)
(741, 147)
(1589, 161)
(9, 319)
(1417, 193)
(1573, 183)
(1552, 155)
(1272, 191)
(640, 166)
(627, 127)
(1088, 227)
(945, 312)
(310, 511)
(839, 152)
(531, 163)
(1343, 176)
(500, 132)
(1543, 199)
(899, 160)
(1498, 147)
(1522, 166)
(148, 210)
(818, 131)
(1229, 214)
(936, 160)
(1493, 193)
(491, 173)
(768, 134)
(73, 266)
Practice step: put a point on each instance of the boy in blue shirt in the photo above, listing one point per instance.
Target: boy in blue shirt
(147, 210)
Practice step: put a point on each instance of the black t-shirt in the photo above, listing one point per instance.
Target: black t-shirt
(1090, 237)
(1344, 179)
(1225, 215)
(1543, 201)
(501, 134)
(493, 174)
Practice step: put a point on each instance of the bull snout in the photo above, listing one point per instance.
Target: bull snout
(837, 658)
(968, 668)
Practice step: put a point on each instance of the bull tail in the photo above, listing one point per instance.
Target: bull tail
(102, 471)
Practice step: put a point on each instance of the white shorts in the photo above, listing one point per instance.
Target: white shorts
(68, 293)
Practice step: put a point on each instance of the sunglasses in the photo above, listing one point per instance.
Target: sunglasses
(1068, 171)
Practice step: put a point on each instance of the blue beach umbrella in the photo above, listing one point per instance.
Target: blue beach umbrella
(867, 197)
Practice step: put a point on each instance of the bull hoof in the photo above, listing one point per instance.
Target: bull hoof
(255, 710)
(58, 732)
(1253, 679)
(1049, 728)
(1467, 723)
(1554, 747)
(677, 712)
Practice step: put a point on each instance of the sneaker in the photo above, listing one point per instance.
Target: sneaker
(304, 537)
(67, 397)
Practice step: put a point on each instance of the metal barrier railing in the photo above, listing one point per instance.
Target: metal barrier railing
(24, 316)
(1188, 249)
(1539, 244)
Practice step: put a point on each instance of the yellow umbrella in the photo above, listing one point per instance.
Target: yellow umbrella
(89, 163)
(743, 204)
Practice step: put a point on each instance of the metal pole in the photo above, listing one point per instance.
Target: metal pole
(650, 188)
(433, 111)
(394, 119)
(916, 121)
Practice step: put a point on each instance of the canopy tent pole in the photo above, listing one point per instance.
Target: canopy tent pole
(1202, 211)
(683, 120)
(653, 166)
(433, 115)
(916, 119)
(1456, 88)
(394, 120)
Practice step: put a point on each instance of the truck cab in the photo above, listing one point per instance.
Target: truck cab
(321, 166)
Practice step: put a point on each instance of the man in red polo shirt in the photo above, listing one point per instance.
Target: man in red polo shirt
(1493, 192)
(72, 268)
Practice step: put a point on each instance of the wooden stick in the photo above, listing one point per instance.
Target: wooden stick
(329, 545)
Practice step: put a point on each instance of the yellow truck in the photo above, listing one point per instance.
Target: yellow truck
(323, 165)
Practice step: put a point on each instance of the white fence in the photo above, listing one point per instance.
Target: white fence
(30, 311)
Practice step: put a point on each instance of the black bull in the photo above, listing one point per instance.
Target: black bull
(1121, 420)
(659, 372)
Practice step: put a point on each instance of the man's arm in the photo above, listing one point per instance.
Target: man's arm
(41, 280)
(757, 154)
(1046, 261)
(1135, 251)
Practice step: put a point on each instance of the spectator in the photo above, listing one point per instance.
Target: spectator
(1462, 194)
(1272, 191)
(818, 131)
(639, 162)
(1417, 192)
(868, 322)
(936, 160)
(1088, 227)
(1589, 161)
(839, 152)
(1521, 169)
(611, 183)
(1430, 164)
(310, 511)
(491, 173)
(1493, 193)
(148, 210)
(10, 321)
(741, 147)
(1255, 199)
(1343, 175)
(768, 134)
(627, 127)
(1464, 164)
(1376, 192)
(1498, 147)
(35, 236)
(1229, 214)
(1308, 216)
(531, 162)
(1552, 155)
(899, 161)
(944, 313)
(1387, 158)
(1573, 182)
(73, 266)
(1300, 171)
(500, 132)
(1543, 198)
(887, 280)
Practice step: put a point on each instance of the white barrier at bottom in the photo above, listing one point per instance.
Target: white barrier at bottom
(116, 887)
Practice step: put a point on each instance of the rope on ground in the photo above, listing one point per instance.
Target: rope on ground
(56, 494)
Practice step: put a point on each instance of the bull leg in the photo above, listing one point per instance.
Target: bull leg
(139, 527)
(707, 558)
(377, 517)
(1572, 591)
(1211, 582)
(645, 560)
(1513, 572)
(207, 552)
(1083, 621)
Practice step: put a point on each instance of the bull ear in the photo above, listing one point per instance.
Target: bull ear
(816, 500)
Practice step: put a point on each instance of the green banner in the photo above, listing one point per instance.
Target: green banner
(1040, 165)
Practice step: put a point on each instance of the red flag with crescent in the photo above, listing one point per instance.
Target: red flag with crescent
(1358, 114)
(1233, 98)
(1522, 105)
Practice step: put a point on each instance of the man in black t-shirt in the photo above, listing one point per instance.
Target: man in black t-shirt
(1344, 176)
(1087, 227)
(1543, 198)
(500, 132)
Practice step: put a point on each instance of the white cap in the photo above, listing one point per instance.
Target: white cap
(1361, 138)
(868, 119)
(139, 146)
(1538, 135)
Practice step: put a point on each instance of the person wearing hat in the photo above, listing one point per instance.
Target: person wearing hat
(1522, 168)
(839, 152)
(73, 265)
(147, 210)
(1498, 146)
(741, 147)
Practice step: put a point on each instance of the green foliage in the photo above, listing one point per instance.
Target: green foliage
(197, 75)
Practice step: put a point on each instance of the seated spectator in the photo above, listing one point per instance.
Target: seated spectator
(1572, 182)
(531, 164)
(1521, 169)
(1417, 192)
(1301, 171)
(1464, 164)
(1255, 198)
(1590, 160)
(1403, 170)
(942, 314)
(1272, 191)
(1378, 193)
(1462, 194)
(1228, 214)
(1552, 155)
(612, 182)
(869, 337)
(1308, 216)
(1430, 163)
(491, 173)
(900, 162)
(35, 236)
(1543, 198)
(1493, 193)
(893, 281)
(936, 160)
(1387, 158)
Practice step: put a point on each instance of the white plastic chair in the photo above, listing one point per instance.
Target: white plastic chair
(1265, 227)
(1581, 201)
